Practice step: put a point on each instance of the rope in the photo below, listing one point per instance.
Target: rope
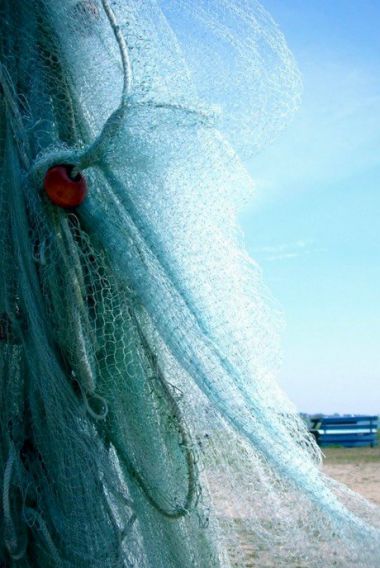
(192, 489)
(125, 59)
(15, 550)
(17, 126)
(37, 518)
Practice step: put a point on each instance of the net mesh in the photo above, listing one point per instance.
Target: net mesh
(141, 424)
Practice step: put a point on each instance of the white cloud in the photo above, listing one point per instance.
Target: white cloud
(286, 251)
(334, 137)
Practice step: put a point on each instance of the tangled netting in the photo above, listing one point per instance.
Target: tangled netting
(140, 422)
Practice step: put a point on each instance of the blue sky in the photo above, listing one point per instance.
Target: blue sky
(314, 226)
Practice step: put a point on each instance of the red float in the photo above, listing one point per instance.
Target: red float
(64, 189)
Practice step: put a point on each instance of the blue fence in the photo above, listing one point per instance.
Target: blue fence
(349, 431)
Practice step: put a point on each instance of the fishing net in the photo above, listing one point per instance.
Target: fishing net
(140, 421)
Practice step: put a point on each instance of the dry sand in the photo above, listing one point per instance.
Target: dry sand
(358, 468)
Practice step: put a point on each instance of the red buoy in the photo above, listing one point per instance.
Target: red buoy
(63, 188)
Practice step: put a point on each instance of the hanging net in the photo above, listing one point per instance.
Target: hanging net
(141, 425)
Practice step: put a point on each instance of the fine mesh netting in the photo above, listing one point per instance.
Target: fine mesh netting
(141, 425)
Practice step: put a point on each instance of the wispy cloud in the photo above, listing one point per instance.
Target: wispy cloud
(286, 251)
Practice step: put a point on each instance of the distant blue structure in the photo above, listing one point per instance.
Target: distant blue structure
(348, 431)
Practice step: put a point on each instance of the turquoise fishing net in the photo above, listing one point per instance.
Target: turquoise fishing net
(141, 424)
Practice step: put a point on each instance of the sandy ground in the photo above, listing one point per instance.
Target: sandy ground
(358, 468)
